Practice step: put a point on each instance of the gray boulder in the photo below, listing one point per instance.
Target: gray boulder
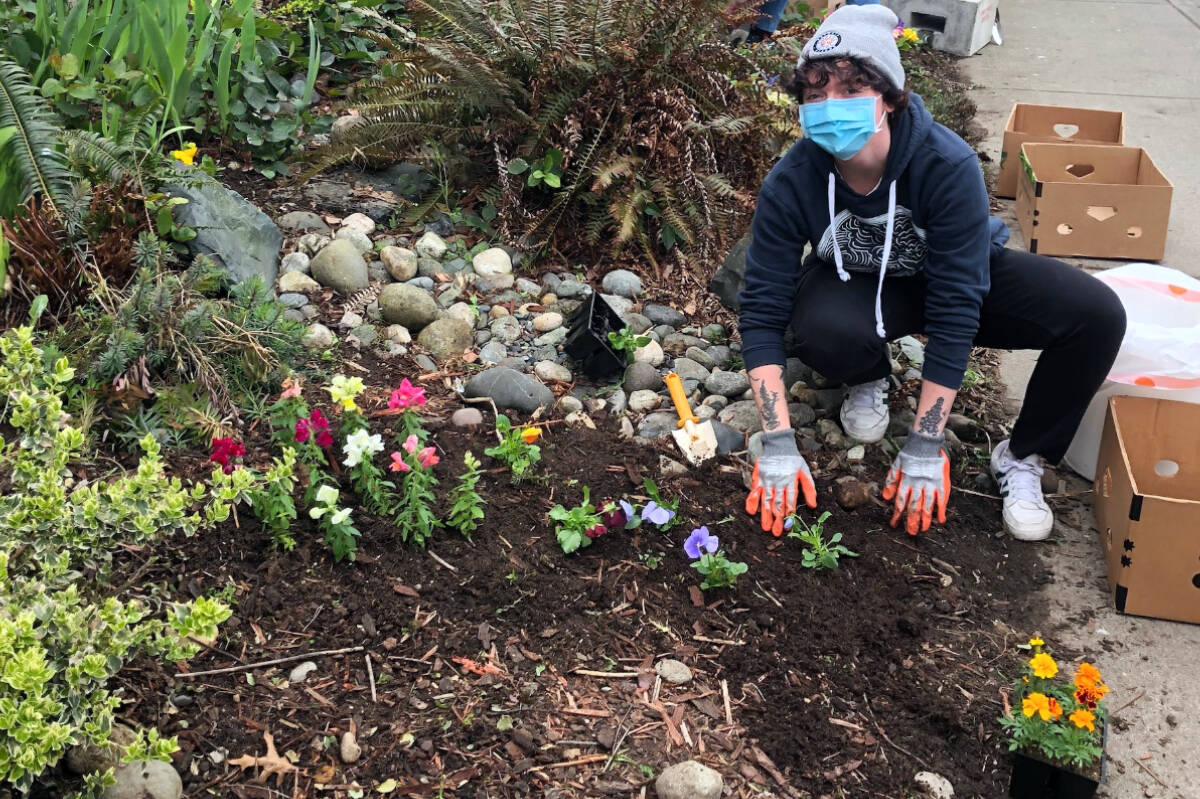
(509, 388)
(641, 376)
(623, 283)
(446, 338)
(731, 277)
(727, 384)
(663, 315)
(303, 222)
(341, 267)
(408, 305)
(228, 228)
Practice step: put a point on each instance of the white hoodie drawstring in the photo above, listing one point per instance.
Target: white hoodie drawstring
(887, 249)
(837, 250)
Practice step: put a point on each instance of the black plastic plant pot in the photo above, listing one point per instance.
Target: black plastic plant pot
(1035, 778)
(587, 338)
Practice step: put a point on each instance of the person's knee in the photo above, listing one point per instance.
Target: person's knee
(838, 351)
(1105, 319)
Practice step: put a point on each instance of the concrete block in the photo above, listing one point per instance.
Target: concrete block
(961, 27)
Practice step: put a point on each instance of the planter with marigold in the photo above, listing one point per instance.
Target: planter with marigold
(1057, 729)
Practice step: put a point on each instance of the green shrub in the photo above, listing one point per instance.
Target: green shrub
(61, 638)
(665, 133)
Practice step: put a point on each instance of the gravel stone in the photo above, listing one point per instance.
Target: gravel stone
(341, 267)
(302, 222)
(544, 323)
(673, 671)
(742, 416)
(295, 262)
(318, 337)
(549, 370)
(623, 283)
(300, 673)
(644, 400)
(651, 354)
(492, 262)
(640, 375)
(400, 262)
(663, 315)
(430, 245)
(700, 357)
(689, 780)
(657, 425)
(408, 305)
(296, 282)
(446, 338)
(509, 388)
(360, 240)
(727, 384)
(466, 417)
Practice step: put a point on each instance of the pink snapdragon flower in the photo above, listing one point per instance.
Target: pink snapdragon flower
(406, 396)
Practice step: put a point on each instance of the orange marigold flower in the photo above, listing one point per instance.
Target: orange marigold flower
(1055, 709)
(1083, 720)
(530, 435)
(1089, 694)
(1087, 673)
(1036, 703)
(1043, 665)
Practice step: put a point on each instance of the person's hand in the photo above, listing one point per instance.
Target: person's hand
(779, 474)
(919, 481)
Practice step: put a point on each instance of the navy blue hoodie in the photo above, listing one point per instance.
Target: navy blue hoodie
(940, 228)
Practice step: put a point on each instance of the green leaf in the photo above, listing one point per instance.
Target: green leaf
(53, 87)
(68, 66)
(552, 180)
(517, 166)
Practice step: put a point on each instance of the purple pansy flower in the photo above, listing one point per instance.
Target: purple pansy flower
(700, 540)
(657, 514)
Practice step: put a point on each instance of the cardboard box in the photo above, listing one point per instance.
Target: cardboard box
(961, 27)
(1148, 506)
(1052, 124)
(1094, 200)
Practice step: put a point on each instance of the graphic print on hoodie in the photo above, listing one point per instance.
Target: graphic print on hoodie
(931, 203)
(861, 242)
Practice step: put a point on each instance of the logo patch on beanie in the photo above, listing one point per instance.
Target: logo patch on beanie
(828, 41)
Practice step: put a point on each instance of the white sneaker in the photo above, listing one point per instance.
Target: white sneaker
(865, 412)
(1026, 514)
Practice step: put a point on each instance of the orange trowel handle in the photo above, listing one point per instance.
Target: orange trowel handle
(675, 387)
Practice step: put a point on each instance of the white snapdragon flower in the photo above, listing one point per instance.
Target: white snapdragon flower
(361, 443)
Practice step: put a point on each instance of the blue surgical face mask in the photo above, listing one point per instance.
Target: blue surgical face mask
(841, 127)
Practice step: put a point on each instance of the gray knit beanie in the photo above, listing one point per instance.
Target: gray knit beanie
(863, 32)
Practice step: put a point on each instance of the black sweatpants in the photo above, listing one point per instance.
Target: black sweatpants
(1035, 303)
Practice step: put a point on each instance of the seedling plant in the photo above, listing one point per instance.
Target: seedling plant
(577, 526)
(516, 449)
(710, 560)
(627, 342)
(466, 506)
(818, 553)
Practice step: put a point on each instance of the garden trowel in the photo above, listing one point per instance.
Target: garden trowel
(697, 440)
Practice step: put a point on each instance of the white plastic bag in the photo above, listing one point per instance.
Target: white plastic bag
(1159, 356)
(1162, 339)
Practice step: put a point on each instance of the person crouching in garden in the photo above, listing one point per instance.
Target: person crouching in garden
(896, 211)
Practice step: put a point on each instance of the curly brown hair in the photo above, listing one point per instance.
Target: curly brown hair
(851, 72)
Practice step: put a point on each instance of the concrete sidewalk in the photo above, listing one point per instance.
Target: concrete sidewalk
(1141, 57)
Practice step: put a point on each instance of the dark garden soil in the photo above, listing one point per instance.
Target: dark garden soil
(840, 683)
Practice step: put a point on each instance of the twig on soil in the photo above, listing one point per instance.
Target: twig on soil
(622, 733)
(439, 560)
(977, 493)
(275, 662)
(725, 696)
(885, 737)
(607, 674)
(314, 618)
(769, 595)
(579, 761)
(371, 676)
(1140, 694)
(1146, 769)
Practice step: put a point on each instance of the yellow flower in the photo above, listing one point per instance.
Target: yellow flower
(530, 435)
(910, 35)
(1087, 674)
(1036, 642)
(187, 155)
(344, 389)
(1043, 666)
(1036, 703)
(1084, 720)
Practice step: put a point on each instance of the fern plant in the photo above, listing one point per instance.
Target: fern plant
(664, 131)
(30, 161)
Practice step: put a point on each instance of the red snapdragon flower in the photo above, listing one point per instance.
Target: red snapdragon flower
(406, 396)
(224, 451)
(302, 430)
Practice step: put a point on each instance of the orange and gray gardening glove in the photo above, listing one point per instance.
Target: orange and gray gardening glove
(779, 474)
(919, 481)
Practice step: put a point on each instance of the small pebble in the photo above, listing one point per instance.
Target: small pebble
(349, 749)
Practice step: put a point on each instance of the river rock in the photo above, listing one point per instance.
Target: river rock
(652, 354)
(728, 439)
(422, 282)
(312, 243)
(551, 339)
(572, 290)
(317, 337)
(800, 414)
(727, 384)
(400, 262)
(640, 375)
(493, 352)
(295, 262)
(349, 749)
(850, 492)
(300, 672)
(407, 305)
(657, 425)
(679, 343)
(446, 338)
(623, 283)
(742, 416)
(360, 222)
(466, 417)
(430, 245)
(544, 323)
(673, 671)
(549, 370)
(689, 780)
(492, 262)
(688, 369)
(700, 356)
(638, 323)
(302, 222)
(644, 400)
(341, 267)
(509, 388)
(663, 315)
(87, 758)
(428, 267)
(145, 779)
(506, 329)
(297, 282)
(360, 240)
(932, 786)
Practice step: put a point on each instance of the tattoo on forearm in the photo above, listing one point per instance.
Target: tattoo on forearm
(768, 400)
(932, 418)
